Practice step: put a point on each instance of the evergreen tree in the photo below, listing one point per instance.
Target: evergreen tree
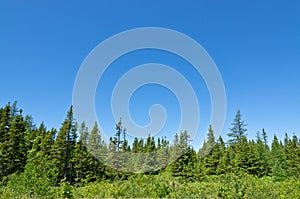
(83, 134)
(292, 152)
(212, 160)
(185, 157)
(97, 153)
(211, 153)
(12, 146)
(47, 143)
(162, 159)
(5, 123)
(185, 165)
(94, 143)
(149, 162)
(263, 153)
(254, 163)
(238, 130)
(207, 144)
(137, 155)
(210, 136)
(244, 158)
(136, 148)
(203, 151)
(33, 160)
(86, 166)
(30, 132)
(265, 139)
(63, 148)
(279, 162)
(117, 157)
(116, 140)
(224, 162)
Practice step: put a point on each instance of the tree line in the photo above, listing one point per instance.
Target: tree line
(41, 158)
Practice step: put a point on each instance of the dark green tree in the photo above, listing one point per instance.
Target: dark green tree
(12, 146)
(224, 162)
(263, 153)
(292, 151)
(63, 148)
(265, 139)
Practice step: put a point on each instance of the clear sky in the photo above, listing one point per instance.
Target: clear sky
(255, 44)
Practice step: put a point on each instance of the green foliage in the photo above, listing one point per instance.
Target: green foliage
(65, 189)
(37, 180)
(40, 163)
(166, 186)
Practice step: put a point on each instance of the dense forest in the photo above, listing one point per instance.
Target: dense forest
(75, 162)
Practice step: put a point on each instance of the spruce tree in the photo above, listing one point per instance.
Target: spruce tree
(185, 157)
(63, 148)
(5, 123)
(210, 136)
(162, 159)
(150, 157)
(224, 161)
(292, 152)
(12, 146)
(279, 162)
(238, 130)
(117, 158)
(208, 144)
(265, 139)
(94, 142)
(263, 153)
(83, 134)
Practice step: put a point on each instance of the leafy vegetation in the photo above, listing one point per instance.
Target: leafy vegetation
(74, 162)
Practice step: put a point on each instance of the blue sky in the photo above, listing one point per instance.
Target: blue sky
(255, 44)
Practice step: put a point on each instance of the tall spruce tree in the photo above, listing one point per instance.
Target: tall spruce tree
(238, 130)
(16, 145)
(63, 148)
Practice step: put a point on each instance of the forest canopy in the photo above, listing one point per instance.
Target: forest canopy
(74, 161)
